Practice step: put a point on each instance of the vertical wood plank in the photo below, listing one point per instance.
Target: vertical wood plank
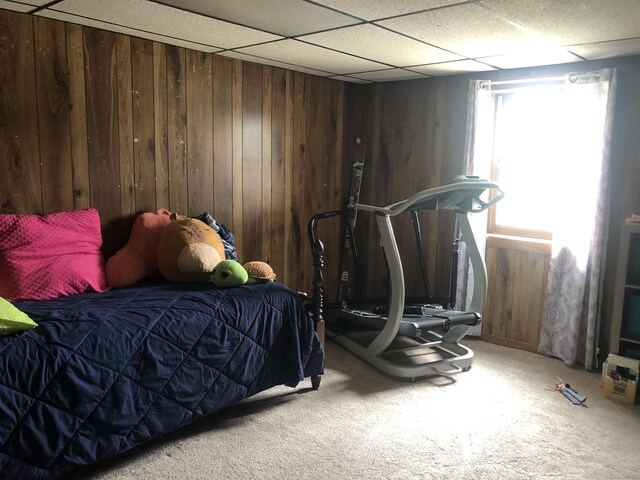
(102, 129)
(331, 174)
(251, 160)
(126, 157)
(334, 126)
(311, 169)
(453, 155)
(223, 139)
(500, 296)
(77, 116)
(360, 114)
(408, 114)
(443, 222)
(289, 148)
(20, 182)
(278, 172)
(381, 169)
(53, 114)
(160, 125)
(265, 182)
(487, 314)
(295, 275)
(530, 279)
(177, 129)
(199, 138)
(144, 145)
(237, 161)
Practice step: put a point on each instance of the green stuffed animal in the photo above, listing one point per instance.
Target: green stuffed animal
(229, 273)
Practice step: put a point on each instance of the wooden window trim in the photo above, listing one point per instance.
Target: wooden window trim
(511, 242)
(492, 227)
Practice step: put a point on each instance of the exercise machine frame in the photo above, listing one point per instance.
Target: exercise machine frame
(434, 329)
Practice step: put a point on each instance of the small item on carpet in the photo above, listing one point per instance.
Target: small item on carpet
(570, 393)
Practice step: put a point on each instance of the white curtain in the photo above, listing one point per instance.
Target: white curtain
(477, 162)
(571, 319)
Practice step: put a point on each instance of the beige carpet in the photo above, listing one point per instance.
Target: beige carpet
(497, 421)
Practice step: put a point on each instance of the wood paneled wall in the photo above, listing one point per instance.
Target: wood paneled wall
(415, 132)
(417, 135)
(91, 118)
(515, 299)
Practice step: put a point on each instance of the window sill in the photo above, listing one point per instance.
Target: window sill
(512, 242)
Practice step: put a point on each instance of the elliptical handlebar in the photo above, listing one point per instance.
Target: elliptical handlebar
(451, 196)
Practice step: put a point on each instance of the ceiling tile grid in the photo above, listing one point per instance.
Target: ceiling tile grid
(468, 30)
(453, 68)
(367, 41)
(274, 63)
(389, 75)
(376, 10)
(370, 40)
(157, 18)
(312, 56)
(17, 7)
(284, 17)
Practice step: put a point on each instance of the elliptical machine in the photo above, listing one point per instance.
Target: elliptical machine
(411, 341)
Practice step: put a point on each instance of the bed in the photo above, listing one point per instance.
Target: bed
(105, 371)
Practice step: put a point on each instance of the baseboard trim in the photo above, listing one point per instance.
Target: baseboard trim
(507, 342)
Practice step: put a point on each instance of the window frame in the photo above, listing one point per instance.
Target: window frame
(493, 228)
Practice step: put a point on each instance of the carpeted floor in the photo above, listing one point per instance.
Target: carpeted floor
(497, 421)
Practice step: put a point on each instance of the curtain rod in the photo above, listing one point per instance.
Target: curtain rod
(524, 80)
(572, 77)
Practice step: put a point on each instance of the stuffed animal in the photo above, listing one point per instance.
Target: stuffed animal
(137, 259)
(259, 272)
(229, 273)
(188, 251)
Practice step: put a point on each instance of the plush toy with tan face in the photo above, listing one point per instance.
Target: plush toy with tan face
(188, 251)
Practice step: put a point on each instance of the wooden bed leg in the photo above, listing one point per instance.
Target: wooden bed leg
(315, 381)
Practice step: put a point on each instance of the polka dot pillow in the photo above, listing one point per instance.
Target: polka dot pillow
(46, 256)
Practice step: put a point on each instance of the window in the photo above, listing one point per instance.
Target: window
(545, 149)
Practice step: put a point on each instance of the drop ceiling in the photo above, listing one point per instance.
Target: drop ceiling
(370, 40)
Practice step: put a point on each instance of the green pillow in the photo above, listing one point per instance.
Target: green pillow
(13, 320)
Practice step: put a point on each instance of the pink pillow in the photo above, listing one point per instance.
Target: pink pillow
(50, 255)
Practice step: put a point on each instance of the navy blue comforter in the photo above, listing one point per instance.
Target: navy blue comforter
(104, 372)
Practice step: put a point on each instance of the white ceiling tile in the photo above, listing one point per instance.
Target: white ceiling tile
(311, 56)
(532, 58)
(17, 7)
(346, 78)
(430, 37)
(284, 17)
(153, 17)
(619, 48)
(369, 10)
(373, 42)
(466, 29)
(124, 30)
(265, 61)
(35, 3)
(389, 75)
(574, 21)
(452, 68)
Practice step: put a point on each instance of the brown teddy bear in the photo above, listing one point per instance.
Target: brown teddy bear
(188, 251)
